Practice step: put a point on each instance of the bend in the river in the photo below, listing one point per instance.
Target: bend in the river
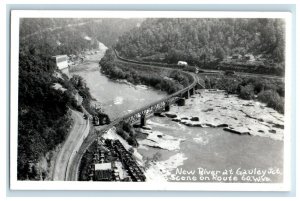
(74, 164)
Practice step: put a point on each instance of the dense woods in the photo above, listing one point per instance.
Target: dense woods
(207, 42)
(44, 118)
(245, 45)
(268, 91)
(169, 82)
(71, 35)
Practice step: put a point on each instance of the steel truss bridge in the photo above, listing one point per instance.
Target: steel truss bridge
(139, 114)
(160, 105)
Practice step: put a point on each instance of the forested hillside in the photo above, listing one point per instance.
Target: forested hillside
(201, 41)
(74, 32)
(114, 69)
(44, 120)
(43, 111)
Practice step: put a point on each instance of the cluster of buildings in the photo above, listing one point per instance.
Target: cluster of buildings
(112, 162)
(246, 57)
(64, 62)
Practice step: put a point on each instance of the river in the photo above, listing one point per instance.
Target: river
(208, 148)
(213, 149)
(117, 98)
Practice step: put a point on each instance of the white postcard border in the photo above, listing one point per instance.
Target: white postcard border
(185, 186)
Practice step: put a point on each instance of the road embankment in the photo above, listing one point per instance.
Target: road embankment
(73, 142)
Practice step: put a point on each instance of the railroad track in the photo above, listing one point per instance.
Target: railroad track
(73, 167)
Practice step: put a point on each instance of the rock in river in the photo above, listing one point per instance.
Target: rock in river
(222, 125)
(159, 114)
(235, 131)
(278, 126)
(195, 119)
(146, 127)
(170, 115)
(176, 119)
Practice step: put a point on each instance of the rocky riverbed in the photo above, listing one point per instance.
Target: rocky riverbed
(213, 130)
(208, 132)
(214, 108)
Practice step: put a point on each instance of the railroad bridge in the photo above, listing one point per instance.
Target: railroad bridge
(139, 115)
(161, 105)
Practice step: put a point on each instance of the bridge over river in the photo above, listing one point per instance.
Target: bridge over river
(139, 114)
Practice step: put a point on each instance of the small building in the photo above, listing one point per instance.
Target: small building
(61, 62)
(103, 172)
(103, 166)
(182, 63)
(249, 57)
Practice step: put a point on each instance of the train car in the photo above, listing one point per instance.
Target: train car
(182, 63)
(96, 121)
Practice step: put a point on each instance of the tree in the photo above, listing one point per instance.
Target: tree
(220, 53)
(201, 41)
(247, 92)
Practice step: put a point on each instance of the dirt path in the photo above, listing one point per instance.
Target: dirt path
(73, 138)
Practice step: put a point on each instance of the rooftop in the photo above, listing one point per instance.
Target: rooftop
(103, 166)
(62, 55)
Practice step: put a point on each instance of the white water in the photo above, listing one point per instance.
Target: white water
(191, 147)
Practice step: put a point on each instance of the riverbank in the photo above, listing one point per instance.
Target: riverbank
(115, 97)
(188, 136)
(215, 108)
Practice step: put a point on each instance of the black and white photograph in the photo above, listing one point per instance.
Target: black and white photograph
(159, 100)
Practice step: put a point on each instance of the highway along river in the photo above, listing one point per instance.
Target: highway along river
(171, 149)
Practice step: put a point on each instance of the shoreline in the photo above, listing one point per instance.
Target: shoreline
(186, 115)
(160, 170)
(190, 116)
(217, 109)
(207, 108)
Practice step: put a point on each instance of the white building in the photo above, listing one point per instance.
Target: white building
(249, 57)
(62, 63)
(103, 166)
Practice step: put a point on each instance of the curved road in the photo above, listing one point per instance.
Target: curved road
(74, 164)
(62, 160)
